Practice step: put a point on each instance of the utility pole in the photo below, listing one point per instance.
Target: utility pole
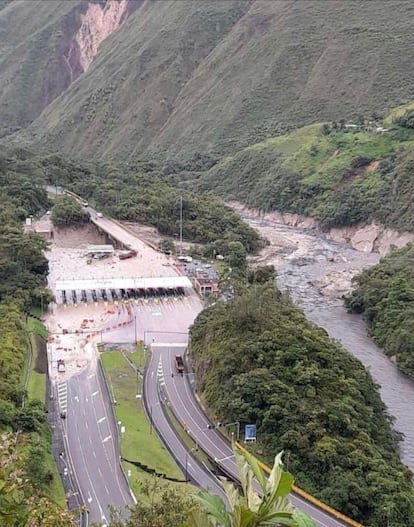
(181, 225)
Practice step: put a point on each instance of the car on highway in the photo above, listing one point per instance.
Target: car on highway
(63, 414)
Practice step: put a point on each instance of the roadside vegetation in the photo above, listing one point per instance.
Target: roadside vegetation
(337, 174)
(385, 295)
(25, 434)
(67, 212)
(139, 443)
(307, 396)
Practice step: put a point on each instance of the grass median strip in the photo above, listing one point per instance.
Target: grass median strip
(138, 442)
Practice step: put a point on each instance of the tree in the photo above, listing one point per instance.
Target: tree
(159, 506)
(66, 211)
(248, 507)
(20, 503)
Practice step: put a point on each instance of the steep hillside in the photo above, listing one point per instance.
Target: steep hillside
(340, 176)
(185, 76)
(45, 46)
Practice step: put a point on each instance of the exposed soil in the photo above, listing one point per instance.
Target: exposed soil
(70, 237)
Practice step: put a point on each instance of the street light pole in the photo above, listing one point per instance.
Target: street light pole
(181, 225)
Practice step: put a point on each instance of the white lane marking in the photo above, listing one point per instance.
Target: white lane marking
(91, 376)
(89, 497)
(94, 455)
(106, 488)
(95, 393)
(100, 473)
(101, 420)
(107, 438)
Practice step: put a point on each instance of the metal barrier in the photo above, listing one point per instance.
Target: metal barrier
(308, 497)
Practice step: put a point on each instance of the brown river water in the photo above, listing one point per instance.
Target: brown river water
(317, 272)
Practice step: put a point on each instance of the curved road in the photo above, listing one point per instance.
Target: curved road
(92, 442)
(190, 414)
(153, 384)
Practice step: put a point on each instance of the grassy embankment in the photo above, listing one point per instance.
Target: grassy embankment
(36, 390)
(139, 442)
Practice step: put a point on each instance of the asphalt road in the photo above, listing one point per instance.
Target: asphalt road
(190, 414)
(195, 472)
(93, 445)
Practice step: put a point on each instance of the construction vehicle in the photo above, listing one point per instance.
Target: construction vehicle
(179, 364)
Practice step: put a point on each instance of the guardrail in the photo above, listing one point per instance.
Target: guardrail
(308, 497)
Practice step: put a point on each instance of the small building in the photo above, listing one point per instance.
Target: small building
(205, 286)
(203, 275)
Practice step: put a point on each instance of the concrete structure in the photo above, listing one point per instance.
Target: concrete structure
(100, 250)
(160, 282)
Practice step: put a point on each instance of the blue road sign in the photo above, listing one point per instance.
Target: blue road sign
(250, 433)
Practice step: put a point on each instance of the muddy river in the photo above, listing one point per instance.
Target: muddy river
(317, 272)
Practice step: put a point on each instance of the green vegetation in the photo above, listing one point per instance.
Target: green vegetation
(385, 295)
(36, 387)
(340, 176)
(142, 192)
(160, 506)
(20, 503)
(23, 268)
(307, 396)
(248, 508)
(66, 211)
(185, 59)
(139, 442)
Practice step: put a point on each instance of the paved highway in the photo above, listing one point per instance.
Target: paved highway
(153, 385)
(190, 414)
(93, 445)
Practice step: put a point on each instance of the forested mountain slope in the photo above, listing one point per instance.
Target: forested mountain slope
(185, 76)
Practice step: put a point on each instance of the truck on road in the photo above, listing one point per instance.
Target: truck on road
(179, 364)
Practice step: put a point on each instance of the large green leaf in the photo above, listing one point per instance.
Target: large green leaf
(215, 506)
(254, 465)
(301, 519)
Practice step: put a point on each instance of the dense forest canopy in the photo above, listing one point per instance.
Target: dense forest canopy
(307, 396)
(142, 192)
(385, 295)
